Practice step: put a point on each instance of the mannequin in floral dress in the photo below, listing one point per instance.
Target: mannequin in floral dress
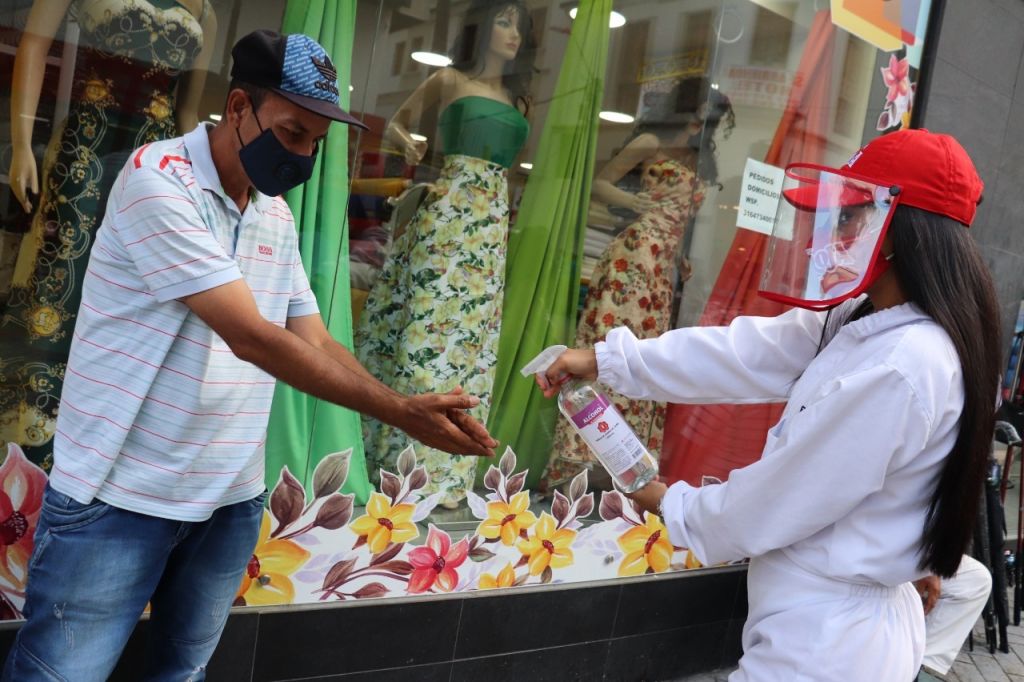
(432, 320)
(139, 74)
(635, 278)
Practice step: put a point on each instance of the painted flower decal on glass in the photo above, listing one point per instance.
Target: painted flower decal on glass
(21, 496)
(434, 564)
(385, 523)
(548, 546)
(506, 578)
(897, 78)
(506, 520)
(267, 576)
(899, 98)
(647, 548)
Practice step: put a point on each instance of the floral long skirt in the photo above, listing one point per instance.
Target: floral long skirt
(432, 319)
(632, 286)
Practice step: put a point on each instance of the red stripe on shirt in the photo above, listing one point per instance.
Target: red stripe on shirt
(155, 196)
(89, 271)
(171, 369)
(71, 475)
(170, 157)
(157, 234)
(86, 447)
(138, 155)
(180, 265)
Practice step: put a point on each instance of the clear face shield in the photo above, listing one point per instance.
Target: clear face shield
(828, 230)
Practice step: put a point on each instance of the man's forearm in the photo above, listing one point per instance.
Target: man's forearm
(343, 355)
(333, 375)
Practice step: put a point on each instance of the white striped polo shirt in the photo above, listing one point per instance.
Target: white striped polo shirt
(157, 414)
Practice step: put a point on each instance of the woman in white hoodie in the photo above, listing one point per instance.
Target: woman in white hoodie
(889, 366)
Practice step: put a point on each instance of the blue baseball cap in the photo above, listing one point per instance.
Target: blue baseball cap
(294, 66)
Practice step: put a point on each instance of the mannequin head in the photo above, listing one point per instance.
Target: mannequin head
(687, 118)
(498, 33)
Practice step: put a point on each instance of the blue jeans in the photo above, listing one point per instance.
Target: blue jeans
(95, 567)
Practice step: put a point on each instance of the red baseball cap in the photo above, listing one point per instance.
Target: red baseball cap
(932, 170)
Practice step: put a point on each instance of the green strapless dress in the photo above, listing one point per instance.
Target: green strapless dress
(432, 320)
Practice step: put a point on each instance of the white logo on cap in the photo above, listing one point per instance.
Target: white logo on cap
(853, 159)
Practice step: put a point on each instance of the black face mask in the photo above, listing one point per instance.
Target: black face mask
(273, 169)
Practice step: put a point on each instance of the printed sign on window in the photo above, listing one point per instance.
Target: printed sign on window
(759, 196)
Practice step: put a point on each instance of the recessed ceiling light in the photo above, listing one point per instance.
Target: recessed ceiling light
(615, 117)
(418, 137)
(614, 21)
(431, 58)
(526, 166)
(214, 117)
(350, 88)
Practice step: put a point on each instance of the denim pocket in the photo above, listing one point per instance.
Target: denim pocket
(61, 512)
(260, 500)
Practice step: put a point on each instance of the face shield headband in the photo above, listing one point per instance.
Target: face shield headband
(828, 232)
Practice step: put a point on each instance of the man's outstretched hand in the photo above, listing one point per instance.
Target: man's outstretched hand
(440, 421)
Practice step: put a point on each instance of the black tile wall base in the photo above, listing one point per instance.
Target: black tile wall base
(655, 628)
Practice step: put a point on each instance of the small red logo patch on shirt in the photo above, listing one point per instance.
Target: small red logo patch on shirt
(266, 250)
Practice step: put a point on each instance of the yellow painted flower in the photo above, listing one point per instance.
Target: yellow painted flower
(506, 577)
(159, 107)
(646, 547)
(416, 334)
(506, 519)
(477, 285)
(548, 546)
(384, 524)
(266, 580)
(691, 560)
(474, 241)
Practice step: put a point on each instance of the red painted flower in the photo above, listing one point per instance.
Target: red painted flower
(592, 317)
(21, 496)
(621, 265)
(644, 302)
(655, 249)
(649, 324)
(434, 564)
(897, 78)
(658, 270)
(608, 319)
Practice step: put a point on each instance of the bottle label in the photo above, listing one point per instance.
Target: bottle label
(608, 435)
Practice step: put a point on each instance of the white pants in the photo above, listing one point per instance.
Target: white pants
(961, 601)
(805, 628)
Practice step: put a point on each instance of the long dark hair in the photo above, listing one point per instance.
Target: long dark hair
(941, 271)
(678, 107)
(470, 46)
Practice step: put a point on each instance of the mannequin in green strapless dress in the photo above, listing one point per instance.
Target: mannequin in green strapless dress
(432, 319)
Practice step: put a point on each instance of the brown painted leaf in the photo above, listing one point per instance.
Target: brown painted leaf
(398, 567)
(370, 591)
(492, 479)
(578, 487)
(524, 534)
(520, 580)
(507, 463)
(406, 461)
(390, 485)
(336, 576)
(523, 560)
(389, 553)
(335, 512)
(560, 507)
(611, 505)
(481, 554)
(474, 542)
(360, 541)
(515, 483)
(418, 478)
(330, 474)
(286, 501)
(585, 506)
(546, 576)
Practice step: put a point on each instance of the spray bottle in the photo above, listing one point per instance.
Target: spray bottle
(599, 424)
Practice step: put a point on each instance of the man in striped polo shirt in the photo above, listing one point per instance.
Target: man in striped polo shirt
(194, 301)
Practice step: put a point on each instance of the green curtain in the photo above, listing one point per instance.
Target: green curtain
(546, 245)
(304, 430)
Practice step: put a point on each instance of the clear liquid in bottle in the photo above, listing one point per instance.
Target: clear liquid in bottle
(609, 437)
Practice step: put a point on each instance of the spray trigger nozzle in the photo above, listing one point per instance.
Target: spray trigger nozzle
(541, 363)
